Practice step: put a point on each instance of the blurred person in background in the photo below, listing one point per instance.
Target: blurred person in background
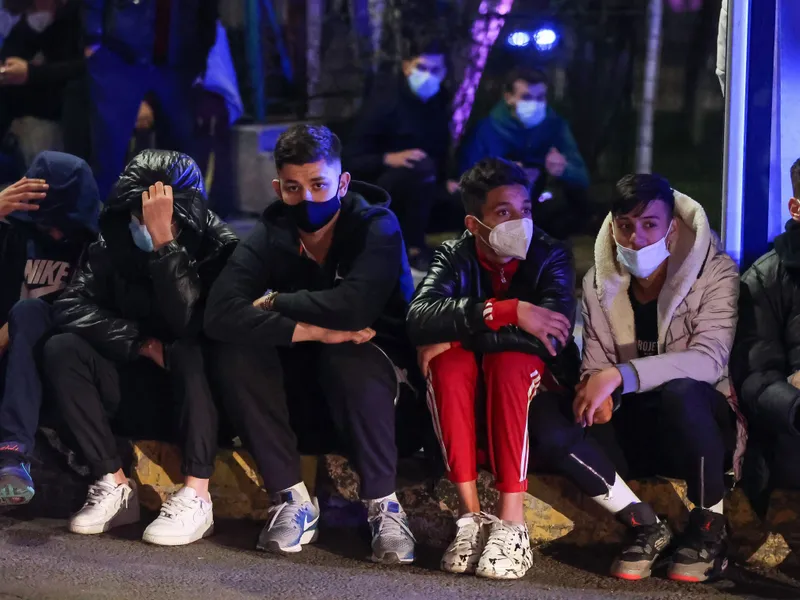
(51, 218)
(401, 140)
(522, 128)
(133, 48)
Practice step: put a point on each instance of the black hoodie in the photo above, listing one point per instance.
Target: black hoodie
(364, 282)
(32, 263)
(124, 295)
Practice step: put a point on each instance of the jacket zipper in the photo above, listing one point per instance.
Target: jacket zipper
(610, 493)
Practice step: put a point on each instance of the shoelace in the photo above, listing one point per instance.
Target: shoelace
(391, 523)
(644, 536)
(102, 490)
(294, 513)
(175, 506)
(501, 536)
(469, 528)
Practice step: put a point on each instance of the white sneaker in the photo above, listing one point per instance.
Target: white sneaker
(507, 554)
(108, 505)
(184, 518)
(465, 550)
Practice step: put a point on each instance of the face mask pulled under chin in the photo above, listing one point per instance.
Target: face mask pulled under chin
(423, 84)
(531, 112)
(511, 239)
(643, 262)
(141, 237)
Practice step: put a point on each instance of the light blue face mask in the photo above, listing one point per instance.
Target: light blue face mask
(141, 237)
(423, 84)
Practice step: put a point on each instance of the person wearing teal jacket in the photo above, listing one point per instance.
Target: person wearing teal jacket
(523, 129)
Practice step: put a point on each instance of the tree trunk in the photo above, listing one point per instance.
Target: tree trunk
(644, 146)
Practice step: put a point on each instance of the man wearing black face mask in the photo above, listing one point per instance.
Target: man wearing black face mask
(310, 311)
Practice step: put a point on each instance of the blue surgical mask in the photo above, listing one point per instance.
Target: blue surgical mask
(423, 84)
(531, 112)
(141, 237)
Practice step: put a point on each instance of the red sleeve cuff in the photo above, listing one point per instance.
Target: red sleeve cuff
(500, 313)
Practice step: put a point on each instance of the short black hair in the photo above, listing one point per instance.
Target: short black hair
(487, 175)
(526, 74)
(796, 178)
(423, 45)
(304, 144)
(635, 192)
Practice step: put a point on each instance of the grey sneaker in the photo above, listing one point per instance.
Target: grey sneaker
(649, 538)
(292, 524)
(392, 540)
(703, 551)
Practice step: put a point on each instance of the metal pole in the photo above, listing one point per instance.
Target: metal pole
(255, 58)
(286, 64)
(735, 126)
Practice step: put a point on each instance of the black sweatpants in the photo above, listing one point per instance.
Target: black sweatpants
(140, 398)
(307, 397)
(683, 430)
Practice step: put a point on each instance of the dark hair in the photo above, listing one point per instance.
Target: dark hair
(423, 45)
(526, 74)
(487, 175)
(796, 178)
(303, 144)
(635, 192)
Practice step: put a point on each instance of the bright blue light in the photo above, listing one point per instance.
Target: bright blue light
(545, 39)
(519, 39)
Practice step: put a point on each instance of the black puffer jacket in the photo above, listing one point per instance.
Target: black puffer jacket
(448, 305)
(124, 295)
(128, 28)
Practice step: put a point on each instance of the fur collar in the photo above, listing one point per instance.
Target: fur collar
(691, 247)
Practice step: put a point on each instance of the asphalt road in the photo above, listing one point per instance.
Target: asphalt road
(39, 559)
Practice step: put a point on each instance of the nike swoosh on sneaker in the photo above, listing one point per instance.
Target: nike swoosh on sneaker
(308, 524)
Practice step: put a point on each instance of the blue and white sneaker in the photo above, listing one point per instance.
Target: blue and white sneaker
(392, 540)
(16, 484)
(292, 524)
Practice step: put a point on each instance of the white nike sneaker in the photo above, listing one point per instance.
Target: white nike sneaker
(292, 524)
(184, 518)
(108, 505)
(465, 550)
(507, 554)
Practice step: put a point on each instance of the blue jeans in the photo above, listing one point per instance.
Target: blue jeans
(29, 322)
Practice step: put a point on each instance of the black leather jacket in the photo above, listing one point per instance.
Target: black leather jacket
(448, 305)
(127, 27)
(124, 295)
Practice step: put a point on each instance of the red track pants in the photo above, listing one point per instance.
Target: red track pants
(511, 381)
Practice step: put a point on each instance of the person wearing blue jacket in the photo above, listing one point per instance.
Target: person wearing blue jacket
(522, 128)
(51, 217)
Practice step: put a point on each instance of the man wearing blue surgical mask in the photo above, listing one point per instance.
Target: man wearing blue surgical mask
(401, 141)
(522, 128)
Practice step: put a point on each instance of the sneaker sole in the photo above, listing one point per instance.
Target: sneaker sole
(697, 574)
(119, 521)
(631, 573)
(467, 570)
(14, 494)
(309, 537)
(508, 575)
(181, 540)
(392, 558)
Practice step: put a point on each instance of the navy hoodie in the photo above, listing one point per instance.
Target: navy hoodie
(32, 263)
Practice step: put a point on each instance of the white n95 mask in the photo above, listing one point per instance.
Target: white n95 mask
(512, 238)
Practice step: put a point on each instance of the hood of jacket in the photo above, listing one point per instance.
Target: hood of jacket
(147, 168)
(692, 244)
(787, 245)
(72, 203)
(511, 130)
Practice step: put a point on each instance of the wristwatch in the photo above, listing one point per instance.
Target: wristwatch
(168, 248)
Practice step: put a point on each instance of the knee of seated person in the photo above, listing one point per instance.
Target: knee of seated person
(456, 358)
(29, 311)
(62, 348)
(680, 392)
(229, 360)
(552, 434)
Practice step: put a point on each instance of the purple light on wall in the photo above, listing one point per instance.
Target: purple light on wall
(485, 31)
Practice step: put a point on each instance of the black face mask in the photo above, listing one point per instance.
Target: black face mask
(313, 216)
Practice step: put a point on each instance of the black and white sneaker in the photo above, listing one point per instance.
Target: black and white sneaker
(703, 551)
(649, 538)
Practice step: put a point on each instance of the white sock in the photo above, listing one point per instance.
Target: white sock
(299, 491)
(390, 498)
(620, 496)
(717, 508)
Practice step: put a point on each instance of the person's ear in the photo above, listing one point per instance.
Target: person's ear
(344, 184)
(472, 225)
(276, 186)
(794, 208)
(672, 236)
